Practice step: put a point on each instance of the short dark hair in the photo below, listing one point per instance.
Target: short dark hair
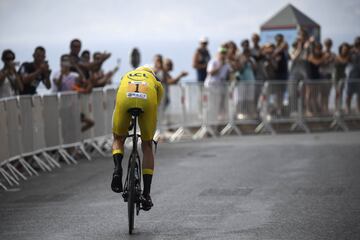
(85, 52)
(279, 35)
(40, 48)
(245, 41)
(344, 44)
(95, 54)
(74, 41)
(6, 52)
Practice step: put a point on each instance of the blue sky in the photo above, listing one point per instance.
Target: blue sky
(169, 27)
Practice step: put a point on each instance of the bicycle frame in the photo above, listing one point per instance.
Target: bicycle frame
(132, 186)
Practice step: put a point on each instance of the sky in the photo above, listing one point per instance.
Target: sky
(169, 27)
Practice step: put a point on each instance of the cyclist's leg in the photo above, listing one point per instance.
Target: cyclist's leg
(118, 150)
(148, 165)
(120, 124)
(147, 123)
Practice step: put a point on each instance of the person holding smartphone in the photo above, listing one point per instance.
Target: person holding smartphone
(32, 73)
(10, 83)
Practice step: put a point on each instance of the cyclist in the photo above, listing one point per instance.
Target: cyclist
(138, 89)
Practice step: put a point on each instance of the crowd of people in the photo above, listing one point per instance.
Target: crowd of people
(78, 72)
(306, 59)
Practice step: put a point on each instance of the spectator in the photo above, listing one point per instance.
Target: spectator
(299, 66)
(218, 71)
(160, 75)
(85, 60)
(32, 73)
(258, 56)
(315, 60)
(270, 63)
(232, 59)
(246, 75)
(326, 70)
(77, 64)
(247, 63)
(98, 76)
(327, 66)
(65, 80)
(10, 82)
(201, 59)
(353, 86)
(339, 75)
(168, 67)
(281, 56)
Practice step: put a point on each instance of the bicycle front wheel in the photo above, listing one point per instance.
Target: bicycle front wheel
(132, 193)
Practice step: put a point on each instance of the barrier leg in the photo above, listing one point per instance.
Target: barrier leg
(41, 164)
(67, 158)
(52, 162)
(338, 122)
(229, 128)
(3, 186)
(82, 149)
(97, 148)
(15, 172)
(28, 167)
(177, 135)
(265, 127)
(8, 177)
(203, 131)
(301, 125)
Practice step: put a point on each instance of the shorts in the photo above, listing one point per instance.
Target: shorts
(147, 120)
(353, 88)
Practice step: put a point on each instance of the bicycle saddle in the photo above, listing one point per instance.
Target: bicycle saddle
(135, 111)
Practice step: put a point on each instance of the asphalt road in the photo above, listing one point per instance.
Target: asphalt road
(254, 187)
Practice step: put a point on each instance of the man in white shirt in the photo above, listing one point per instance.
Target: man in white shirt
(218, 69)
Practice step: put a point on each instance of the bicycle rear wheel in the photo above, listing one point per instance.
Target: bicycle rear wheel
(132, 193)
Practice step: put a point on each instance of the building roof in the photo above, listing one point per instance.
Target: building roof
(289, 17)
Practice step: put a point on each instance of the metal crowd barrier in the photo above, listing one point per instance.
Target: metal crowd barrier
(39, 131)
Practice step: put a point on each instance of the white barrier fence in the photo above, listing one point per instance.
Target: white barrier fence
(38, 131)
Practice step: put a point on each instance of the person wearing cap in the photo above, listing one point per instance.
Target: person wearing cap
(201, 59)
(218, 73)
(218, 69)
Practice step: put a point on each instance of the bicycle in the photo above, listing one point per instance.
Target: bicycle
(132, 186)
